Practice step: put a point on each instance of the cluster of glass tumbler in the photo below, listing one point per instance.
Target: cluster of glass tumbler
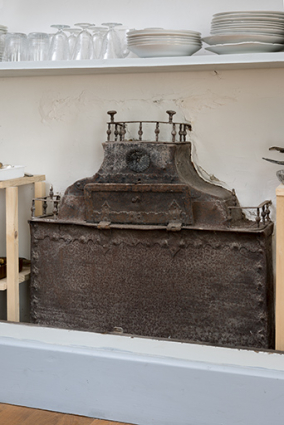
(85, 41)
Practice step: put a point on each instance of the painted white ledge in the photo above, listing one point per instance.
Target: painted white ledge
(139, 380)
(135, 65)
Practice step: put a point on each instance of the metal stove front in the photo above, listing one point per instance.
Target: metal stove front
(147, 247)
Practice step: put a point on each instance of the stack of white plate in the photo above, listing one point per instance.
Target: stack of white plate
(158, 42)
(246, 32)
(3, 31)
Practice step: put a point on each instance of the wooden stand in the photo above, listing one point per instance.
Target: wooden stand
(11, 283)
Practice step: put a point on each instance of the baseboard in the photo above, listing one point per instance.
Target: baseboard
(139, 380)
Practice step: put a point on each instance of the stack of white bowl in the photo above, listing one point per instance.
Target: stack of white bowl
(246, 32)
(159, 42)
(3, 31)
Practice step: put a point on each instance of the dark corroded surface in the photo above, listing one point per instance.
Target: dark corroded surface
(167, 164)
(198, 285)
(130, 203)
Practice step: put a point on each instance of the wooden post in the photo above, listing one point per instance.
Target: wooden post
(279, 306)
(39, 193)
(12, 248)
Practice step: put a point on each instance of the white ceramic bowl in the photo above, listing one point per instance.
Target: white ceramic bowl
(164, 50)
(14, 172)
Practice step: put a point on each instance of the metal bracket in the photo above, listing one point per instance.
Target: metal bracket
(104, 225)
(174, 226)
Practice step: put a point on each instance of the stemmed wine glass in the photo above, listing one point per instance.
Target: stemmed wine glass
(98, 35)
(72, 39)
(122, 32)
(59, 47)
(111, 47)
(83, 48)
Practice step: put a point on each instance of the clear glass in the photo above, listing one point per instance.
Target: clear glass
(59, 46)
(72, 39)
(38, 46)
(15, 47)
(97, 35)
(2, 42)
(83, 48)
(111, 46)
(122, 33)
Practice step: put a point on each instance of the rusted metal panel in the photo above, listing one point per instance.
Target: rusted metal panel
(207, 286)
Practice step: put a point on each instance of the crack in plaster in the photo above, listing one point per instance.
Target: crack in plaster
(54, 106)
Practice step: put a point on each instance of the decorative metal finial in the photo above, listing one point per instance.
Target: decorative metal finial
(51, 193)
(112, 114)
(171, 114)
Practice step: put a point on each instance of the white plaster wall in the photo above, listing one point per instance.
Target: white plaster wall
(55, 125)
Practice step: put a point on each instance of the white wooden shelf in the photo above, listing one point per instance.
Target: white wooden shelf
(23, 275)
(207, 62)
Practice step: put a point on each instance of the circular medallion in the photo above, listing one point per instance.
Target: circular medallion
(138, 160)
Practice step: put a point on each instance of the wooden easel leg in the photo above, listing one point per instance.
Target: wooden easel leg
(12, 248)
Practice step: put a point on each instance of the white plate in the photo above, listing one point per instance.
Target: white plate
(163, 38)
(248, 25)
(249, 47)
(234, 28)
(165, 34)
(260, 18)
(162, 50)
(265, 19)
(247, 31)
(248, 22)
(241, 38)
(250, 13)
(14, 172)
(153, 31)
(165, 43)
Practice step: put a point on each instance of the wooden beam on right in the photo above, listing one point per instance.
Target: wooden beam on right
(279, 302)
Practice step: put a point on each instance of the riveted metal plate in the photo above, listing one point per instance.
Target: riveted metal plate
(189, 285)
